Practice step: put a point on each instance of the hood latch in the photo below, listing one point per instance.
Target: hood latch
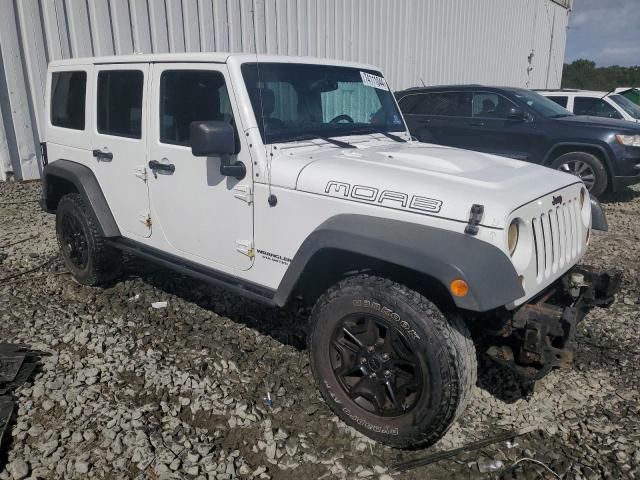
(475, 217)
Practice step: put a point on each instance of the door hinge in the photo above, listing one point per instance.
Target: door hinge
(245, 247)
(244, 193)
(145, 218)
(141, 173)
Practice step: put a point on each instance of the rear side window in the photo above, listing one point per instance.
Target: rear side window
(407, 104)
(120, 102)
(449, 104)
(68, 94)
(595, 107)
(562, 101)
(191, 96)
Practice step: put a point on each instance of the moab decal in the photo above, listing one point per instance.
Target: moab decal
(384, 198)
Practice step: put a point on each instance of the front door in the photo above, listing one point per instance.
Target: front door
(204, 216)
(119, 144)
(494, 132)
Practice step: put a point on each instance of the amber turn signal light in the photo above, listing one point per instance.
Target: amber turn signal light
(459, 288)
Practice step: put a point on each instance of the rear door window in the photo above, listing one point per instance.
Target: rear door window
(408, 102)
(120, 102)
(450, 104)
(562, 101)
(593, 106)
(68, 98)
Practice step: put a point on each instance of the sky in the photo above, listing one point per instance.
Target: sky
(604, 31)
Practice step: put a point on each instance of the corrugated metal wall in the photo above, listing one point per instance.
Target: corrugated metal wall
(508, 42)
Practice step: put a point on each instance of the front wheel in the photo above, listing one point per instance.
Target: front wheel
(587, 167)
(388, 362)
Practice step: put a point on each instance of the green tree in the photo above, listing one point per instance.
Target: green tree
(583, 74)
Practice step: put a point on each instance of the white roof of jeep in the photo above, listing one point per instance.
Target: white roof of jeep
(204, 57)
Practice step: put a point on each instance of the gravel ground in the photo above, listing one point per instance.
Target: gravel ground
(130, 391)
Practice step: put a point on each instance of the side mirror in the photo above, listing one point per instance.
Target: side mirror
(212, 138)
(516, 113)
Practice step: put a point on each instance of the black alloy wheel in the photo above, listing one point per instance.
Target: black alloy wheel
(74, 241)
(376, 366)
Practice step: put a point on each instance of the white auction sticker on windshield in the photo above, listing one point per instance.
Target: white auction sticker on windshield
(373, 81)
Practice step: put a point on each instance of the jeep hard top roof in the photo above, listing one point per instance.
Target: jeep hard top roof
(204, 57)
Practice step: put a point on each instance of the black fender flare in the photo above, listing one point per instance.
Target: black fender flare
(441, 254)
(86, 184)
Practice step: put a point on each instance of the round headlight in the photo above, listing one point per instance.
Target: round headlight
(513, 234)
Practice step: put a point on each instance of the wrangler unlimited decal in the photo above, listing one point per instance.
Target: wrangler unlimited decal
(385, 198)
(274, 257)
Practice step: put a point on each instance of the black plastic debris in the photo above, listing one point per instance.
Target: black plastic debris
(17, 364)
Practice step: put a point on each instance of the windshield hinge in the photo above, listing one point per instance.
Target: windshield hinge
(244, 193)
(245, 247)
(475, 217)
(145, 219)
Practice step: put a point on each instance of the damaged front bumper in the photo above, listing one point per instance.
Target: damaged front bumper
(536, 337)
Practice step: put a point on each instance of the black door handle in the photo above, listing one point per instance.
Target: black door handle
(165, 167)
(100, 154)
(235, 169)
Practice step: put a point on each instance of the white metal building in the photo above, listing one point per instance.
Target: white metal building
(506, 42)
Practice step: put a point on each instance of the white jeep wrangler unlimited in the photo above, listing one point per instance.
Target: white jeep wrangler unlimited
(297, 177)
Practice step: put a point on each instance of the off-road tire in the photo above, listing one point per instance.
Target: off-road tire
(103, 262)
(442, 344)
(594, 163)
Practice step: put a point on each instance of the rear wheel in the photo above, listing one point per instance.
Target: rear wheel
(88, 258)
(587, 167)
(388, 362)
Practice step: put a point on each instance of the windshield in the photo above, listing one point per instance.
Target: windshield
(541, 105)
(297, 101)
(627, 105)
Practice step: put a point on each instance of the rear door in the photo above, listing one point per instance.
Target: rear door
(494, 132)
(120, 144)
(439, 117)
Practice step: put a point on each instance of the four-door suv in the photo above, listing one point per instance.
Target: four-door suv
(522, 124)
(595, 104)
(297, 178)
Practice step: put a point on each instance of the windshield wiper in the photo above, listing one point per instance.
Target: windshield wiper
(311, 136)
(393, 137)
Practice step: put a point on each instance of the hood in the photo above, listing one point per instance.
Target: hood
(423, 178)
(600, 122)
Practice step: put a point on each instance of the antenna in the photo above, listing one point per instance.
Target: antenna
(272, 198)
(421, 80)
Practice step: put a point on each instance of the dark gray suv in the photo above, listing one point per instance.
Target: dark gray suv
(524, 125)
